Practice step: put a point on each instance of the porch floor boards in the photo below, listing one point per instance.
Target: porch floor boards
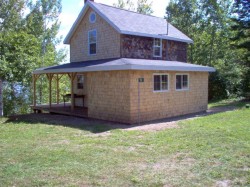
(61, 109)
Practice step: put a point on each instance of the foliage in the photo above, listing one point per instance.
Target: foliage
(27, 41)
(241, 38)
(142, 7)
(47, 150)
(217, 86)
(208, 24)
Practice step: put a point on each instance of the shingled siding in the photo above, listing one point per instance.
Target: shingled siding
(157, 105)
(176, 51)
(113, 96)
(108, 40)
(142, 47)
(108, 95)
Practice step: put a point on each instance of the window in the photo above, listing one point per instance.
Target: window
(161, 82)
(92, 37)
(80, 81)
(157, 47)
(182, 82)
(92, 17)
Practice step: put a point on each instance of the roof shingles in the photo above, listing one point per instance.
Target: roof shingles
(133, 23)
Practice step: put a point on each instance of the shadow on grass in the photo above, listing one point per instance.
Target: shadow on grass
(99, 126)
(229, 103)
(91, 125)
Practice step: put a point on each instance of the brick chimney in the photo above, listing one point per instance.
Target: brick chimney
(85, 1)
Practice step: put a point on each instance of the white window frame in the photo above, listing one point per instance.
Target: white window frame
(161, 90)
(92, 13)
(182, 89)
(156, 46)
(92, 43)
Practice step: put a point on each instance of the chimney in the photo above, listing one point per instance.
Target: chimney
(167, 21)
(85, 1)
(167, 27)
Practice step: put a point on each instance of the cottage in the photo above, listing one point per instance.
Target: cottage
(127, 67)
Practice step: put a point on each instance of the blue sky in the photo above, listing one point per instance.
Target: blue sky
(71, 9)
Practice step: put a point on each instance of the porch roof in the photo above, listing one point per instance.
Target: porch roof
(123, 64)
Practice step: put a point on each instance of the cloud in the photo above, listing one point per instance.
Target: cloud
(81, 3)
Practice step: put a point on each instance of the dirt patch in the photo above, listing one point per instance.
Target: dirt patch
(155, 126)
(224, 183)
(101, 134)
(171, 123)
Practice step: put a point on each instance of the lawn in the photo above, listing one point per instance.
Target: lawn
(208, 151)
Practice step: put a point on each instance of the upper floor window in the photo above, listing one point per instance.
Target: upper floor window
(80, 81)
(92, 17)
(161, 82)
(182, 82)
(157, 47)
(92, 39)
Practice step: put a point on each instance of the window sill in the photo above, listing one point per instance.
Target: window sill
(159, 91)
(179, 90)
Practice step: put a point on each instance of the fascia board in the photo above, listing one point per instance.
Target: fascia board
(126, 67)
(80, 17)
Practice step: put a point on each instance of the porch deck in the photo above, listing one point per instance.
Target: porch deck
(61, 109)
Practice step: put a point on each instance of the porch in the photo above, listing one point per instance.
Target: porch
(57, 101)
(61, 108)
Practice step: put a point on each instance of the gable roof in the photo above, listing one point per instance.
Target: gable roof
(132, 23)
(124, 64)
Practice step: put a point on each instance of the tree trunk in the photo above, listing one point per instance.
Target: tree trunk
(1, 98)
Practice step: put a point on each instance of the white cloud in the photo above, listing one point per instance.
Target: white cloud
(81, 3)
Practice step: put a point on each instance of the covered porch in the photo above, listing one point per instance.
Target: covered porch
(61, 109)
(60, 105)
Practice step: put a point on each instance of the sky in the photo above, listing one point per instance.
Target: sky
(71, 9)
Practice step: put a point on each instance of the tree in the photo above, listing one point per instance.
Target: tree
(27, 42)
(1, 98)
(207, 23)
(128, 4)
(142, 7)
(241, 38)
(43, 23)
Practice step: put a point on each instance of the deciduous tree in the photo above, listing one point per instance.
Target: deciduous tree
(142, 6)
(27, 41)
(207, 22)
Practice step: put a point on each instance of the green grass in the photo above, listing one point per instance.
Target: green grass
(205, 151)
(234, 102)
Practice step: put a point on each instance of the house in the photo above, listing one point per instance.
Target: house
(127, 67)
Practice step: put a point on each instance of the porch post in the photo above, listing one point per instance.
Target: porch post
(50, 77)
(72, 77)
(34, 77)
(34, 89)
(57, 89)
